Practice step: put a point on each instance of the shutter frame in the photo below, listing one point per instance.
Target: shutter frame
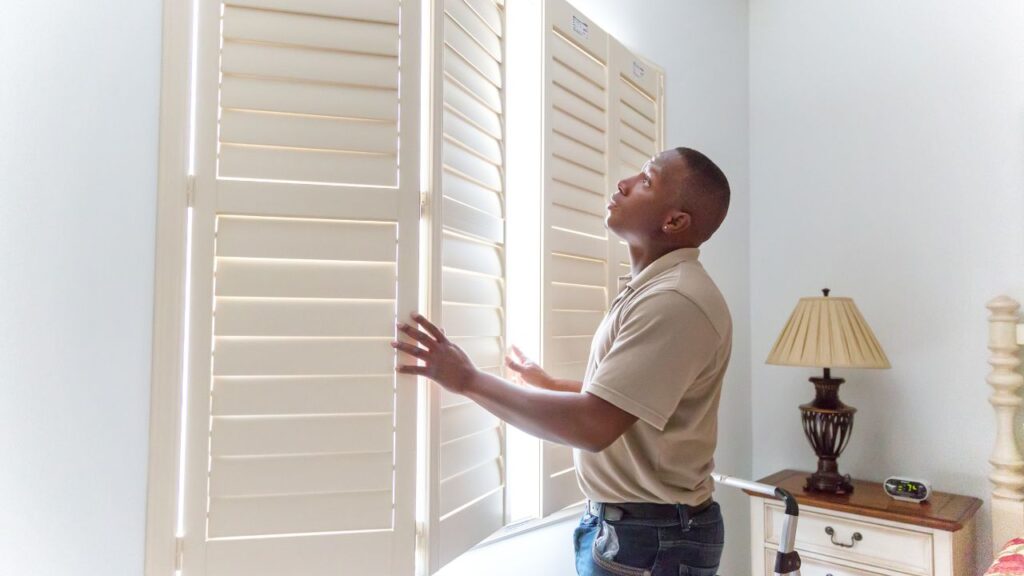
(307, 219)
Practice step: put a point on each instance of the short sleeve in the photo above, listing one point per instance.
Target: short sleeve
(663, 344)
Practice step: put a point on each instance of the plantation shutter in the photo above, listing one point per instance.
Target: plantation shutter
(635, 130)
(466, 456)
(575, 241)
(301, 440)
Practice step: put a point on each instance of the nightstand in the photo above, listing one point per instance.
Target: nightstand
(866, 533)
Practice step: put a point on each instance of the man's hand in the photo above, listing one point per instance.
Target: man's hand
(527, 370)
(443, 361)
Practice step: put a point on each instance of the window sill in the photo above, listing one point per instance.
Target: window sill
(532, 524)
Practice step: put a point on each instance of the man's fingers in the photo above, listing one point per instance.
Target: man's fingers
(516, 366)
(519, 353)
(429, 326)
(416, 334)
(415, 370)
(410, 349)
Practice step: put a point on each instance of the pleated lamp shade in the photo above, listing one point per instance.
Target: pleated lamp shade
(827, 332)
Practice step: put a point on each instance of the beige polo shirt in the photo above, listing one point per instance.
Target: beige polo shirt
(660, 354)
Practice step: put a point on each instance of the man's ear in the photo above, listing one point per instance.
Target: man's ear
(677, 222)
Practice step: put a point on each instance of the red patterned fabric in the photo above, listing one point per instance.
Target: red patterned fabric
(1010, 561)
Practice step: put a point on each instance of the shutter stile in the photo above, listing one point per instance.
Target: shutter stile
(301, 438)
(466, 454)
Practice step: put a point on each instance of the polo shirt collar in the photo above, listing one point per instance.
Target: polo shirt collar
(654, 269)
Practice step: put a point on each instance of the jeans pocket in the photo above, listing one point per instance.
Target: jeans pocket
(625, 550)
(691, 571)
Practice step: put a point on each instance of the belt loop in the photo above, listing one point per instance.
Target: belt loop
(684, 516)
(600, 511)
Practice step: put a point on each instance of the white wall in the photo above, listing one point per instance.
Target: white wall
(887, 163)
(703, 48)
(78, 118)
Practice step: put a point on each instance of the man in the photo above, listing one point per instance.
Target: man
(643, 423)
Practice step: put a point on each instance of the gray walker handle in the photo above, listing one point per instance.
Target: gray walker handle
(787, 561)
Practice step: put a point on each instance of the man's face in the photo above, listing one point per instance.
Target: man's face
(643, 202)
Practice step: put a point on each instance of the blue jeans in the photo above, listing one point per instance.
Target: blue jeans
(632, 547)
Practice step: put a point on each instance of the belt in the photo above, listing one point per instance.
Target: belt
(647, 511)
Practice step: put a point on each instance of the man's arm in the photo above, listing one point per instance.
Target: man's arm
(578, 419)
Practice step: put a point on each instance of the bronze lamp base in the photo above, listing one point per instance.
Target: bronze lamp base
(827, 425)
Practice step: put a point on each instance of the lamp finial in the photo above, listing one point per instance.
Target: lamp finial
(825, 291)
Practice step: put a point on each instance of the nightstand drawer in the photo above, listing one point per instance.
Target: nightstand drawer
(880, 546)
(815, 567)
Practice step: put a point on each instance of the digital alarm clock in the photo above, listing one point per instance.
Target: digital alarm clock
(907, 489)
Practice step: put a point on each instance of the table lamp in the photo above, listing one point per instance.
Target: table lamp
(826, 332)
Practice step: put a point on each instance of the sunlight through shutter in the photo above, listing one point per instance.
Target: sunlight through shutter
(467, 473)
(301, 440)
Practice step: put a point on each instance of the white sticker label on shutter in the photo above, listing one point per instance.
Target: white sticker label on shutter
(580, 27)
(638, 70)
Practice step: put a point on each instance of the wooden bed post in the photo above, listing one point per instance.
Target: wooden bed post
(1008, 467)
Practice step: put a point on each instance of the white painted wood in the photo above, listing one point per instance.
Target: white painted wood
(307, 165)
(467, 486)
(314, 132)
(378, 10)
(305, 239)
(310, 31)
(463, 526)
(567, 349)
(462, 321)
(577, 297)
(307, 211)
(572, 219)
(284, 435)
(472, 194)
(886, 548)
(471, 137)
(575, 323)
(470, 164)
(582, 199)
(473, 52)
(1007, 475)
(900, 549)
(465, 419)
(299, 474)
(299, 514)
(467, 220)
(303, 64)
(275, 95)
(366, 554)
(471, 256)
(461, 454)
(465, 17)
(275, 278)
(577, 244)
(302, 356)
(169, 293)
(569, 171)
(566, 102)
(575, 270)
(279, 317)
(266, 395)
(461, 100)
(471, 289)
(486, 353)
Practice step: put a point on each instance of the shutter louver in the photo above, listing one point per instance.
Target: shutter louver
(301, 439)
(575, 243)
(636, 129)
(466, 477)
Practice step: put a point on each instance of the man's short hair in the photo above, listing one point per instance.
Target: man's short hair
(704, 192)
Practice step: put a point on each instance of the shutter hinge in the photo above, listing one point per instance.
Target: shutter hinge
(190, 190)
(179, 553)
(424, 203)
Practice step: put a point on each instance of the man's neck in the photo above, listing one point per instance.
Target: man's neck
(641, 257)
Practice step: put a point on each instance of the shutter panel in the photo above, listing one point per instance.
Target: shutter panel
(636, 133)
(575, 241)
(466, 456)
(301, 440)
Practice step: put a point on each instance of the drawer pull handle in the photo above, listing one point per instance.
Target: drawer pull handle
(832, 534)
